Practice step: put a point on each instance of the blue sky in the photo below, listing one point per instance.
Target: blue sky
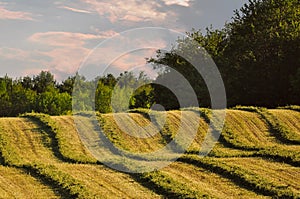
(58, 35)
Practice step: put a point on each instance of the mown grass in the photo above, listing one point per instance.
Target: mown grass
(36, 156)
(163, 130)
(283, 175)
(24, 142)
(16, 183)
(242, 176)
(207, 182)
(245, 129)
(277, 127)
(105, 182)
(52, 151)
(288, 120)
(66, 144)
(169, 187)
(132, 132)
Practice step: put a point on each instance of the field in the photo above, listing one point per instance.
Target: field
(257, 155)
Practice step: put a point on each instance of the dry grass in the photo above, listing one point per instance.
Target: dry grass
(251, 131)
(289, 118)
(14, 183)
(28, 140)
(207, 182)
(249, 128)
(106, 183)
(132, 132)
(70, 140)
(278, 173)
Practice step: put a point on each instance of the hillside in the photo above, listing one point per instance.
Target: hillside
(257, 156)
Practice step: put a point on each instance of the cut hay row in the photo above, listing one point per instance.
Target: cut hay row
(220, 150)
(190, 124)
(25, 142)
(124, 133)
(169, 187)
(281, 174)
(15, 183)
(248, 129)
(241, 176)
(106, 183)
(70, 144)
(289, 120)
(278, 129)
(209, 183)
(62, 146)
(131, 132)
(45, 165)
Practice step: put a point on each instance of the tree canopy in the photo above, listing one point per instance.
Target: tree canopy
(257, 54)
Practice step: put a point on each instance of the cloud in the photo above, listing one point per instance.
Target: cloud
(67, 49)
(75, 9)
(184, 3)
(129, 10)
(16, 15)
(68, 39)
(19, 54)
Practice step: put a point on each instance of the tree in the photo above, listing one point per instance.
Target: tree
(262, 52)
(5, 96)
(43, 81)
(67, 85)
(257, 55)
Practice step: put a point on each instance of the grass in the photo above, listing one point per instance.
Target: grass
(256, 157)
(289, 121)
(166, 185)
(24, 142)
(246, 130)
(207, 182)
(106, 183)
(66, 146)
(277, 127)
(137, 134)
(16, 183)
(242, 176)
(32, 151)
(282, 175)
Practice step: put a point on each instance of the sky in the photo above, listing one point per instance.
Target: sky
(61, 36)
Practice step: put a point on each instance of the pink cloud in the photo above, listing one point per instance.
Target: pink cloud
(177, 2)
(75, 9)
(66, 60)
(69, 51)
(17, 15)
(129, 10)
(19, 54)
(64, 39)
(124, 54)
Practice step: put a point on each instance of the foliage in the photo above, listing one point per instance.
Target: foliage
(43, 94)
(256, 54)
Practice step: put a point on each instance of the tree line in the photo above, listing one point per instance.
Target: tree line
(43, 94)
(257, 54)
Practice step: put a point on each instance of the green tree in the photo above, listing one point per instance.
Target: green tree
(45, 80)
(262, 52)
